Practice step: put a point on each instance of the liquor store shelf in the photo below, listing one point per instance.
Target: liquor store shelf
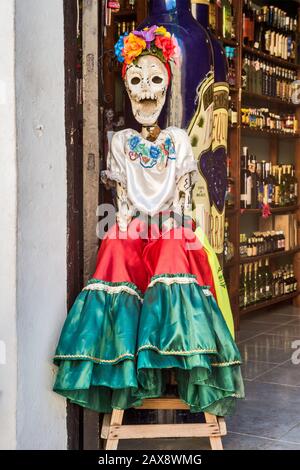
(271, 58)
(228, 42)
(268, 303)
(275, 254)
(268, 99)
(274, 210)
(256, 132)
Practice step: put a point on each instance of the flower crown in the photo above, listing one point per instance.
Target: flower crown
(154, 40)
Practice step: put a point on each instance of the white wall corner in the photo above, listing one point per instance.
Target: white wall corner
(42, 214)
(8, 245)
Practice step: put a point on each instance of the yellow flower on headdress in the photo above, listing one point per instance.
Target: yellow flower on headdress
(133, 47)
(161, 30)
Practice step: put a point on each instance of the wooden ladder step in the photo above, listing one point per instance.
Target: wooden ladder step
(113, 430)
(147, 431)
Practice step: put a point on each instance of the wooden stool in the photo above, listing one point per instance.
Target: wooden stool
(113, 430)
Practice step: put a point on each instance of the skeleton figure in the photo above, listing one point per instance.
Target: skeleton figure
(149, 307)
(146, 82)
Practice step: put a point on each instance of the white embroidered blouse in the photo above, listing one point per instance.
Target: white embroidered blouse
(149, 171)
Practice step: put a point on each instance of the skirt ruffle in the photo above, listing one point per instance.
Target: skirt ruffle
(116, 347)
(96, 353)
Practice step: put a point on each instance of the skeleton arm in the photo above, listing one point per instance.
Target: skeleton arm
(124, 206)
(183, 196)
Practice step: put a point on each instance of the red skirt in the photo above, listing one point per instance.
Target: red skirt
(141, 253)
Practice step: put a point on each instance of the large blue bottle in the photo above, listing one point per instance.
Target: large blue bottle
(197, 62)
(213, 161)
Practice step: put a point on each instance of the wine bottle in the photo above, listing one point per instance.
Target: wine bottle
(176, 16)
(245, 180)
(212, 15)
(268, 280)
(226, 19)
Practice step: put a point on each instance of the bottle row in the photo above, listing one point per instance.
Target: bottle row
(263, 119)
(122, 27)
(258, 283)
(123, 5)
(261, 77)
(262, 243)
(264, 183)
(270, 30)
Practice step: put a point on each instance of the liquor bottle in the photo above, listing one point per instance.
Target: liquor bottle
(250, 287)
(246, 180)
(259, 36)
(245, 81)
(192, 37)
(246, 23)
(232, 112)
(259, 185)
(261, 281)
(243, 245)
(254, 193)
(241, 287)
(268, 185)
(294, 280)
(246, 300)
(212, 15)
(294, 185)
(284, 195)
(216, 205)
(226, 249)
(255, 284)
(229, 198)
(131, 4)
(226, 19)
(276, 187)
(268, 280)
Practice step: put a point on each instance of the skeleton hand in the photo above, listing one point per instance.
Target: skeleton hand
(183, 196)
(124, 213)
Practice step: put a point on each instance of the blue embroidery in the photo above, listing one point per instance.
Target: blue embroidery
(154, 152)
(134, 141)
(150, 154)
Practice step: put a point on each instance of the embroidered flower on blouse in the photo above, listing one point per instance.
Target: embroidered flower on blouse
(154, 152)
(150, 154)
(133, 142)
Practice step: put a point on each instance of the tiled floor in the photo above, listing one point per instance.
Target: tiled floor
(269, 417)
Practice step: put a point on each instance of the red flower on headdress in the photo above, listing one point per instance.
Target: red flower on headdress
(167, 46)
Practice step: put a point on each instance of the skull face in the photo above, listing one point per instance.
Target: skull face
(146, 83)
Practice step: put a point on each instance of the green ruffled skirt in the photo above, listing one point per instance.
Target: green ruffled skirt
(117, 346)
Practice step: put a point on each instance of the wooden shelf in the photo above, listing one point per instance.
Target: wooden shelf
(274, 210)
(276, 254)
(229, 211)
(271, 58)
(228, 42)
(268, 303)
(255, 132)
(125, 13)
(267, 99)
(229, 264)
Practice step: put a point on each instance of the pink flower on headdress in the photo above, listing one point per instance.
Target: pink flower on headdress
(147, 34)
(177, 51)
(167, 46)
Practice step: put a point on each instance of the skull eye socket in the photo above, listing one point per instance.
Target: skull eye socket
(156, 79)
(135, 80)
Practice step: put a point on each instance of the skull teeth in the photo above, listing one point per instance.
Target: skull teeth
(146, 96)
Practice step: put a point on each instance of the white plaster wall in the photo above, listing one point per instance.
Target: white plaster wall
(8, 229)
(41, 268)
